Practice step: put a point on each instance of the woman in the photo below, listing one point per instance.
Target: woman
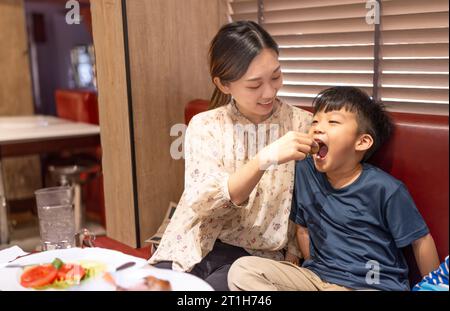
(239, 163)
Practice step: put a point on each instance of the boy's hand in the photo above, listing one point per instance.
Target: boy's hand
(291, 258)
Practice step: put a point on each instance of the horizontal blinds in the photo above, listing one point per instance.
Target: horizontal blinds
(422, 28)
(328, 42)
(322, 44)
(244, 10)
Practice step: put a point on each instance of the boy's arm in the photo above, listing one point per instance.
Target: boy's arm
(293, 252)
(303, 241)
(426, 254)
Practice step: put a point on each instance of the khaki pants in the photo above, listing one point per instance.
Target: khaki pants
(261, 274)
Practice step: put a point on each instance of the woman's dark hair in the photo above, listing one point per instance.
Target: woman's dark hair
(231, 52)
(371, 115)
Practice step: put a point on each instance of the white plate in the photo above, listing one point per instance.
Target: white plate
(10, 277)
(178, 280)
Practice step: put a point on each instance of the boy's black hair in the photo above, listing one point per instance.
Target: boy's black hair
(372, 117)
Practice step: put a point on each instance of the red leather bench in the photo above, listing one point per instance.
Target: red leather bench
(416, 154)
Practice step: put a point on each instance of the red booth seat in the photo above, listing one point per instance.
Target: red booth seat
(194, 107)
(416, 154)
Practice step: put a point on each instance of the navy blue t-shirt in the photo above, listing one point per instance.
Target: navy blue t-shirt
(356, 232)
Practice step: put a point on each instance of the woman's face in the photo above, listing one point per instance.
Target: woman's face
(256, 90)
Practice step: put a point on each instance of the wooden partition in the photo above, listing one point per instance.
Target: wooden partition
(151, 60)
(21, 175)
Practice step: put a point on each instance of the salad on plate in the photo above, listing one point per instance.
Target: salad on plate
(59, 274)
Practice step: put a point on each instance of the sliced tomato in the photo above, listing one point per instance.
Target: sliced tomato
(38, 276)
(71, 272)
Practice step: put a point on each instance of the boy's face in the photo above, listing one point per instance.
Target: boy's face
(336, 132)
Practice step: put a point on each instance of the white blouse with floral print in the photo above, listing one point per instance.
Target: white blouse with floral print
(217, 143)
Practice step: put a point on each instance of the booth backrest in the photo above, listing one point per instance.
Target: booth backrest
(416, 154)
(194, 107)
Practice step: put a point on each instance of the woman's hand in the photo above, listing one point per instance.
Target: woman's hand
(292, 146)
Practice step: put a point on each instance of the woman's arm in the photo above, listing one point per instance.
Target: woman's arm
(426, 254)
(303, 241)
(244, 180)
(292, 146)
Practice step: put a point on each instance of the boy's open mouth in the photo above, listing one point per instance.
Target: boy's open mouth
(323, 149)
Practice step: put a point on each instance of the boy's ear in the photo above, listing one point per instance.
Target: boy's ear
(222, 87)
(364, 142)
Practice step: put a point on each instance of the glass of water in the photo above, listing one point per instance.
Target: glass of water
(56, 217)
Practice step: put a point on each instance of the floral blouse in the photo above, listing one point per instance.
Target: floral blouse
(217, 143)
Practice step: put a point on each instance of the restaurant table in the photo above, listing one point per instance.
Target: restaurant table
(27, 135)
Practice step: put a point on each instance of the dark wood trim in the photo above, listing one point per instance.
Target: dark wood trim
(260, 11)
(377, 56)
(22, 205)
(50, 145)
(131, 123)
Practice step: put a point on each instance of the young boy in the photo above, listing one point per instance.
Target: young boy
(352, 218)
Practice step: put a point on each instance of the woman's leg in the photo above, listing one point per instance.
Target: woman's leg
(214, 267)
(197, 270)
(219, 278)
(217, 263)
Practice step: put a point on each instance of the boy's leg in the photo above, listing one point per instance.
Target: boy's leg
(257, 273)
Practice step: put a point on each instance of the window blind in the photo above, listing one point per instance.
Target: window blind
(414, 37)
(324, 43)
(244, 10)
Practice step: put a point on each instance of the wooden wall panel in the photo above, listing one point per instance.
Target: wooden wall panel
(114, 120)
(15, 88)
(168, 42)
(21, 175)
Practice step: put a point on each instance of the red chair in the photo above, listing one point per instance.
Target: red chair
(82, 106)
(78, 106)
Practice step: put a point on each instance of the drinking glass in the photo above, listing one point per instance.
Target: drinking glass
(55, 208)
